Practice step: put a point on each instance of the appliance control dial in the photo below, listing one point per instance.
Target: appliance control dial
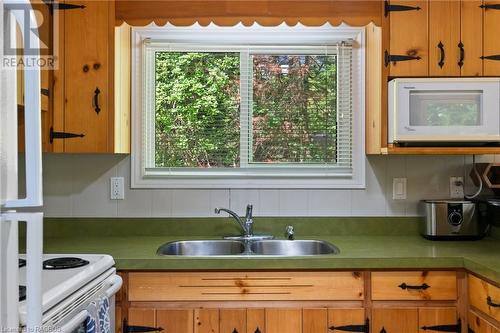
(455, 218)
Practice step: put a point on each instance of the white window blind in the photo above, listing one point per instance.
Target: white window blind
(291, 114)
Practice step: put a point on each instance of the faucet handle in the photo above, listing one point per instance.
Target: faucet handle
(289, 232)
(248, 214)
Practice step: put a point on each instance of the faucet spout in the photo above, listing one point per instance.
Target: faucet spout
(240, 222)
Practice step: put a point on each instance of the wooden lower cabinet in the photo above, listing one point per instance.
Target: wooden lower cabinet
(479, 325)
(252, 320)
(414, 320)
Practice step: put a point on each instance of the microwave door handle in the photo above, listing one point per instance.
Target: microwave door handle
(32, 119)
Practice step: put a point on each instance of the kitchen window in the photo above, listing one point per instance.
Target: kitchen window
(248, 107)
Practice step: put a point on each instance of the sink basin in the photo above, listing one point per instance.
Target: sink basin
(293, 248)
(202, 248)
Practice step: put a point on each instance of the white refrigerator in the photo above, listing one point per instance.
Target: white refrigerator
(13, 209)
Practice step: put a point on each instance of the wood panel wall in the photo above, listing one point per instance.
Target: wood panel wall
(264, 12)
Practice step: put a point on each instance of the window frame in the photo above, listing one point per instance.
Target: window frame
(276, 176)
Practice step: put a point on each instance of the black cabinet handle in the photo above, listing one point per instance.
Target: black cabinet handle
(235, 331)
(490, 303)
(470, 330)
(462, 54)
(441, 54)
(95, 102)
(138, 329)
(388, 58)
(352, 328)
(404, 286)
(383, 330)
(257, 330)
(62, 135)
(491, 6)
(396, 8)
(445, 328)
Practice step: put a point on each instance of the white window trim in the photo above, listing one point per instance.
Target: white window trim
(242, 178)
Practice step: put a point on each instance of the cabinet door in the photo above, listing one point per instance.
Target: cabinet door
(437, 319)
(87, 42)
(141, 317)
(491, 49)
(256, 321)
(206, 321)
(478, 325)
(314, 320)
(444, 36)
(388, 320)
(175, 321)
(339, 320)
(472, 37)
(232, 321)
(283, 320)
(409, 37)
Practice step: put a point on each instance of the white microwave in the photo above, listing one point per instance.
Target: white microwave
(444, 110)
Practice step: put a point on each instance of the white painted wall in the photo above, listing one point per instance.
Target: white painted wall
(79, 186)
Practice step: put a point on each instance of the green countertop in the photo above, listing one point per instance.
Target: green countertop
(402, 249)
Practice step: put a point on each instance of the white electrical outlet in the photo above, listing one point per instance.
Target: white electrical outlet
(456, 187)
(399, 188)
(117, 188)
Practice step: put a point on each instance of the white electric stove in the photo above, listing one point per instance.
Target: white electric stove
(70, 282)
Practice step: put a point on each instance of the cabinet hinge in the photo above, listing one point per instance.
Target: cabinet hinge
(491, 57)
(63, 135)
(445, 328)
(388, 58)
(138, 329)
(397, 8)
(352, 328)
(491, 6)
(54, 5)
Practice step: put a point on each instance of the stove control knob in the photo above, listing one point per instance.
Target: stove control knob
(455, 219)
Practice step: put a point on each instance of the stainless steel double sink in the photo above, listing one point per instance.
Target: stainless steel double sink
(207, 248)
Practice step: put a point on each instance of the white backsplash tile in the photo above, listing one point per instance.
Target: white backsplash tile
(137, 202)
(371, 201)
(78, 185)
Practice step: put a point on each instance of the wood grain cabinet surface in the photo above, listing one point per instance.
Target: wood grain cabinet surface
(414, 285)
(484, 297)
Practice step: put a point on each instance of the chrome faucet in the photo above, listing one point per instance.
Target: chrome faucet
(246, 225)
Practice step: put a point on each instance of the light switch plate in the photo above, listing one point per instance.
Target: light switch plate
(117, 188)
(399, 188)
(456, 187)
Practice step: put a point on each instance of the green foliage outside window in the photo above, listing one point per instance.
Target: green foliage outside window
(198, 109)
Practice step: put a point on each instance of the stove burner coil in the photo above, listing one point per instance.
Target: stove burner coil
(64, 263)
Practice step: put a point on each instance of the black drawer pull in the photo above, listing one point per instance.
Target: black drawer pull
(490, 303)
(445, 328)
(257, 330)
(235, 331)
(388, 58)
(462, 54)
(138, 329)
(62, 135)
(397, 8)
(491, 57)
(352, 328)
(491, 6)
(383, 330)
(441, 54)
(405, 286)
(95, 102)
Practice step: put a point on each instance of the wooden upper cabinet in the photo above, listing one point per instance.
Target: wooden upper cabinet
(491, 48)
(444, 37)
(471, 37)
(87, 80)
(408, 39)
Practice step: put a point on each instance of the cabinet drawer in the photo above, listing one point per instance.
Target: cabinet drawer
(245, 286)
(415, 285)
(484, 296)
